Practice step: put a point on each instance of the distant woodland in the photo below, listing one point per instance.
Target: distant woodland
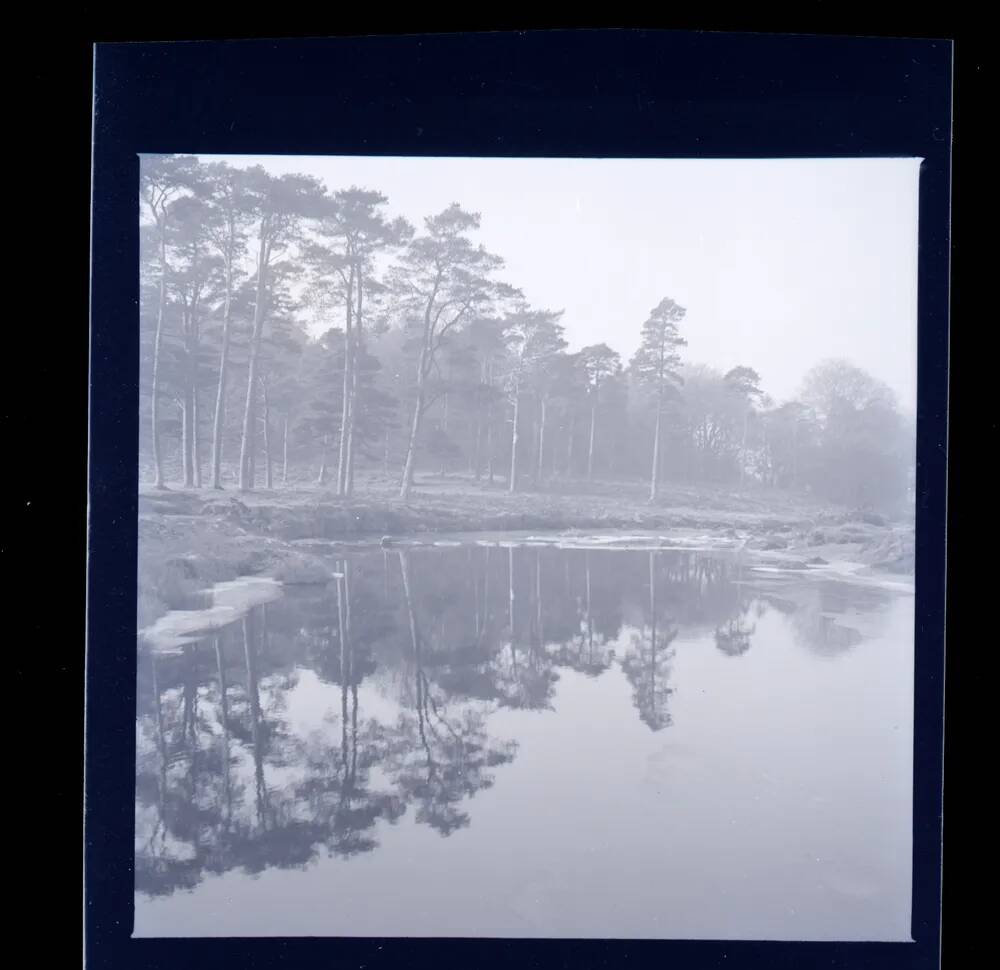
(295, 335)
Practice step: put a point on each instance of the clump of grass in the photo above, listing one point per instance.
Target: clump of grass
(174, 568)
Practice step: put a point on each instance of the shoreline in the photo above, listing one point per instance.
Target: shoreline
(191, 539)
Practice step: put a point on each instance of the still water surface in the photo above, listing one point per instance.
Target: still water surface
(532, 741)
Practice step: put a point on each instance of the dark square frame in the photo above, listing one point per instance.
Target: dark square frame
(621, 93)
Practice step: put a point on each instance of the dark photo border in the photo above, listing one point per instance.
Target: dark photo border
(580, 93)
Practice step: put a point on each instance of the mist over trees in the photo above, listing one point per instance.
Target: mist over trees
(295, 336)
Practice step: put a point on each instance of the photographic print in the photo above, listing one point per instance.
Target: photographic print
(525, 547)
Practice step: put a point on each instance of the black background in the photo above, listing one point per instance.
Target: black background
(652, 93)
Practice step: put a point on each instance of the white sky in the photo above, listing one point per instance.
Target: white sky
(779, 262)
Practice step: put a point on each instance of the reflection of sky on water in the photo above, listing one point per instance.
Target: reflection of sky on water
(633, 744)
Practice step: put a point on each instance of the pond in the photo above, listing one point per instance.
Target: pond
(531, 741)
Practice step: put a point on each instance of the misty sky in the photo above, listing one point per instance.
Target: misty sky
(780, 263)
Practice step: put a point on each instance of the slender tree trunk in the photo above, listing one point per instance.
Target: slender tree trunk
(196, 437)
(473, 572)
(418, 410)
(538, 598)
(541, 439)
(590, 447)
(220, 395)
(190, 717)
(423, 369)
(490, 464)
(404, 568)
(249, 425)
(423, 715)
(345, 409)
(284, 453)
(342, 641)
(355, 395)
(161, 736)
(652, 628)
(224, 719)
(193, 382)
(346, 570)
(510, 591)
(743, 447)
(662, 464)
(249, 649)
(268, 484)
(344, 627)
(187, 419)
(187, 409)
(533, 460)
(157, 344)
(768, 470)
(349, 678)
(656, 447)
(652, 590)
(321, 479)
(512, 481)
(411, 446)
(195, 410)
(444, 429)
(569, 443)
(349, 481)
(795, 458)
(187, 477)
(252, 452)
(486, 590)
(477, 454)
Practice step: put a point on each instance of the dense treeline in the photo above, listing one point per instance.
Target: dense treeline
(427, 360)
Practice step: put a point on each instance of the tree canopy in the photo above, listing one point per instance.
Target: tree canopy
(292, 325)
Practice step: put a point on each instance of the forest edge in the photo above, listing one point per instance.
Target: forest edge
(192, 538)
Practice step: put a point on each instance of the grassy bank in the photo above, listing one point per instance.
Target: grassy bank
(191, 538)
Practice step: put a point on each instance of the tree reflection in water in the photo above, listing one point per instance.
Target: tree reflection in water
(733, 636)
(454, 752)
(438, 641)
(647, 664)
